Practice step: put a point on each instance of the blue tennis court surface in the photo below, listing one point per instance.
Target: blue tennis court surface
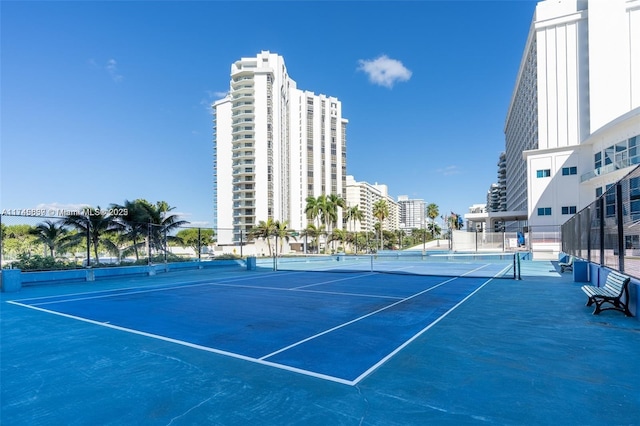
(334, 326)
(238, 347)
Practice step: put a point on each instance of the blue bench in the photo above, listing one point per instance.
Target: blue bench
(615, 288)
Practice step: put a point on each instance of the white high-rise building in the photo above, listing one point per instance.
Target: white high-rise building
(274, 145)
(412, 213)
(365, 195)
(573, 125)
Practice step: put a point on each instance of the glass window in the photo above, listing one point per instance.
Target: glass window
(543, 173)
(569, 210)
(608, 155)
(634, 197)
(566, 171)
(544, 211)
(610, 201)
(633, 150)
(597, 160)
(621, 152)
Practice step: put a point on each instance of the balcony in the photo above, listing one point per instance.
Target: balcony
(600, 171)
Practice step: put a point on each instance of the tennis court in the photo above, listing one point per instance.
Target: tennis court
(300, 347)
(334, 326)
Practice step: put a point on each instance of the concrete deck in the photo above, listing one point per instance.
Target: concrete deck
(523, 352)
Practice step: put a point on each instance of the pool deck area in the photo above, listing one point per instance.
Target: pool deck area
(518, 352)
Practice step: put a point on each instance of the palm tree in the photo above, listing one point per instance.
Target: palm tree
(356, 215)
(334, 202)
(434, 229)
(161, 223)
(95, 224)
(338, 235)
(432, 213)
(311, 232)
(264, 230)
(380, 212)
(281, 231)
(315, 208)
(135, 224)
(52, 235)
(400, 235)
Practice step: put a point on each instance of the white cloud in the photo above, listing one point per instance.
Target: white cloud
(112, 69)
(384, 71)
(449, 170)
(210, 98)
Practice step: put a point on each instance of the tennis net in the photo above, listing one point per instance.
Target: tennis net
(489, 265)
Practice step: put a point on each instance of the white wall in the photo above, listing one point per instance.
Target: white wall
(224, 170)
(609, 61)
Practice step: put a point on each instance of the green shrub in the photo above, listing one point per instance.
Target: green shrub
(36, 262)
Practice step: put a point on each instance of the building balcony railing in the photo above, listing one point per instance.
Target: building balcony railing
(610, 168)
(242, 95)
(243, 197)
(243, 114)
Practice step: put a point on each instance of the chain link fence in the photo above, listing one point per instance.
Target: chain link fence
(33, 241)
(477, 241)
(607, 231)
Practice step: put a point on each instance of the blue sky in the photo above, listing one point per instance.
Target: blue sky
(103, 102)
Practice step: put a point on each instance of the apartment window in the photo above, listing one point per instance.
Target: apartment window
(610, 201)
(597, 160)
(569, 210)
(543, 173)
(544, 211)
(567, 171)
(634, 198)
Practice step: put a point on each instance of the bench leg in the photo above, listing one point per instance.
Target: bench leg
(617, 305)
(596, 311)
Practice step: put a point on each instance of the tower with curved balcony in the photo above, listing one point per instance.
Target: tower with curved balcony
(274, 145)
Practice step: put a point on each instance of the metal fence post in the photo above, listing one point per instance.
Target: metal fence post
(619, 220)
(601, 206)
(589, 234)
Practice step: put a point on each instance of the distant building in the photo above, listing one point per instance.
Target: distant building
(365, 195)
(412, 213)
(493, 198)
(274, 145)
